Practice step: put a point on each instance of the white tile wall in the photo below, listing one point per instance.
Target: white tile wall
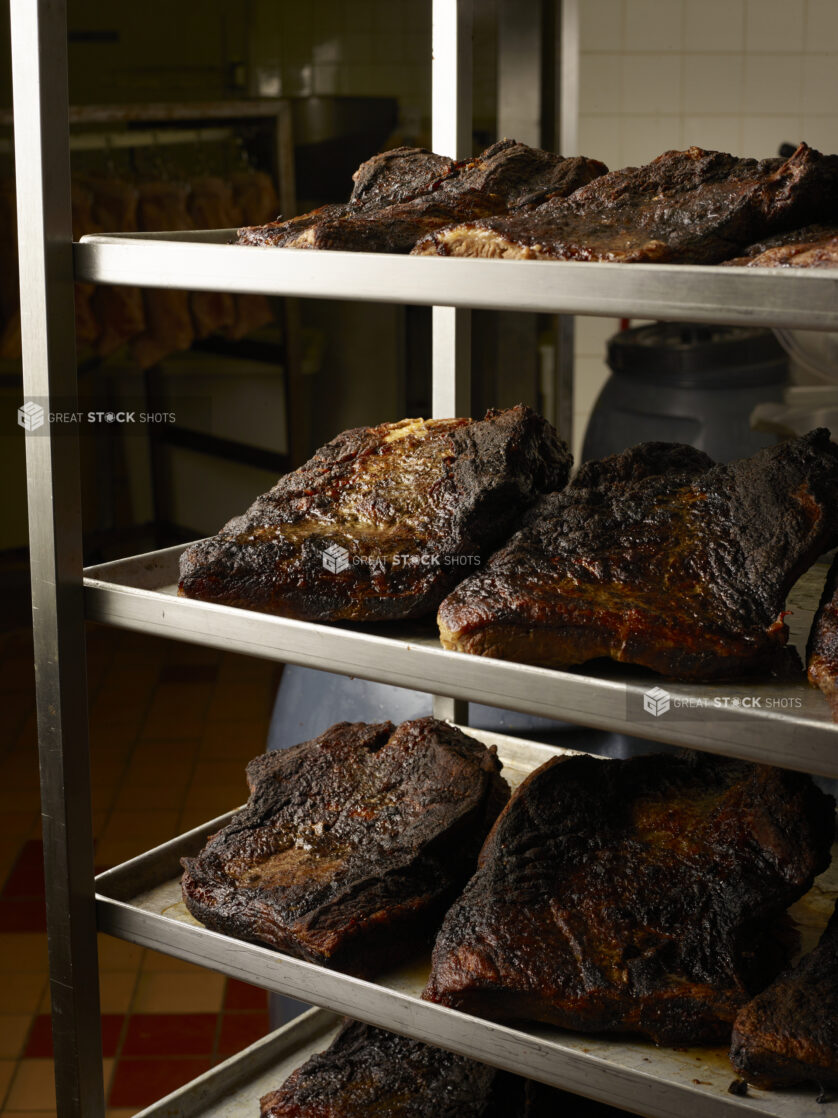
(734, 75)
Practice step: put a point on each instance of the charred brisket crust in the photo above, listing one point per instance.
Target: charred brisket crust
(398, 175)
(414, 504)
(402, 195)
(633, 896)
(351, 845)
(367, 1071)
(822, 649)
(788, 1034)
(812, 247)
(684, 573)
(690, 207)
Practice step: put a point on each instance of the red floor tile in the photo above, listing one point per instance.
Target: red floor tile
(140, 1082)
(25, 915)
(27, 876)
(170, 1034)
(39, 1044)
(238, 1030)
(240, 995)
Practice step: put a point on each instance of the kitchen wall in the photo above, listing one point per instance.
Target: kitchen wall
(737, 75)
(369, 48)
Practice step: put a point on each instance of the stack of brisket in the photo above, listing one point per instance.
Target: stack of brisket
(641, 896)
(517, 202)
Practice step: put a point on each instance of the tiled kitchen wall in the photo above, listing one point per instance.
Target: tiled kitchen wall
(370, 48)
(737, 75)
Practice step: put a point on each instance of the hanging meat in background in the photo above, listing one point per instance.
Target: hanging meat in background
(257, 200)
(87, 326)
(119, 310)
(212, 206)
(9, 291)
(163, 207)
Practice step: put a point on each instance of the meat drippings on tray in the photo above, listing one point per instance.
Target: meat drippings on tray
(788, 1035)
(402, 195)
(813, 247)
(690, 207)
(351, 845)
(822, 650)
(366, 1071)
(382, 521)
(634, 896)
(656, 557)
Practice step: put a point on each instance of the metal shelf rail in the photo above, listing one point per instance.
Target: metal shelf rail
(134, 600)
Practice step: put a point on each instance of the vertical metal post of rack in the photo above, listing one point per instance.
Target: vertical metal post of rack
(42, 158)
(567, 142)
(451, 123)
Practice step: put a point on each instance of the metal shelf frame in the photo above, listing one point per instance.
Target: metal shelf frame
(49, 265)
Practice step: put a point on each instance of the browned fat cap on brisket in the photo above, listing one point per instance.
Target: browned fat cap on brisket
(659, 558)
(402, 195)
(816, 246)
(688, 207)
(788, 1035)
(633, 896)
(822, 649)
(382, 521)
(351, 845)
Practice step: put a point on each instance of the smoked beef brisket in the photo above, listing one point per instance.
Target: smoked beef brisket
(369, 1073)
(351, 845)
(656, 557)
(400, 196)
(822, 650)
(816, 246)
(789, 1033)
(687, 207)
(381, 522)
(633, 896)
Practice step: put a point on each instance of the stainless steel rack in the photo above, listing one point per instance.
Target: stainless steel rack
(138, 593)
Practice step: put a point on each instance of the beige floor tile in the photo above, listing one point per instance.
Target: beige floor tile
(237, 700)
(7, 1071)
(21, 992)
(23, 951)
(33, 1086)
(120, 1112)
(117, 955)
(116, 851)
(212, 802)
(107, 1073)
(219, 773)
(29, 1113)
(152, 826)
(179, 993)
(133, 797)
(14, 1029)
(146, 769)
(116, 989)
(224, 741)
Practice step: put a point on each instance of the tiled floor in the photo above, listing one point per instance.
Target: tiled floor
(171, 729)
